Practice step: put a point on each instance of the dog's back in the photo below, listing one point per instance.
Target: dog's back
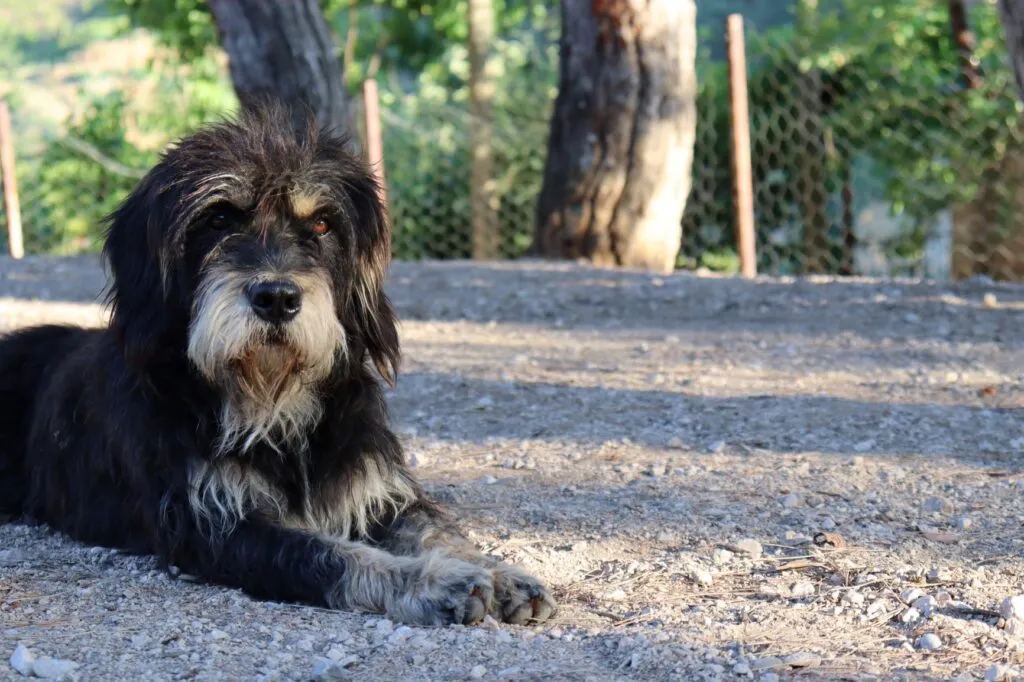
(27, 356)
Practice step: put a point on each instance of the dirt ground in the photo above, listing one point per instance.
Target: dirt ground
(720, 479)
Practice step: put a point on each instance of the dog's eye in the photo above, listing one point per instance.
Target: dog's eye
(321, 227)
(219, 220)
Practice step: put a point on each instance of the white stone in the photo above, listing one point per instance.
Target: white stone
(52, 668)
(477, 672)
(929, 642)
(22, 660)
(1012, 607)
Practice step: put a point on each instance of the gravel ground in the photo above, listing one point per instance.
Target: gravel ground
(720, 479)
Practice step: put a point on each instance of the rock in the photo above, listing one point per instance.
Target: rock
(750, 547)
(489, 480)
(676, 443)
(400, 635)
(853, 598)
(218, 634)
(828, 523)
(926, 605)
(802, 589)
(929, 642)
(722, 556)
(911, 615)
(139, 641)
(802, 659)
(22, 660)
(1012, 607)
(936, 504)
(716, 446)
(938, 575)
(741, 669)
(864, 445)
(657, 470)
(910, 595)
(702, 577)
(766, 663)
(790, 501)
(335, 653)
(770, 677)
(508, 672)
(615, 595)
(477, 672)
(1014, 627)
(326, 670)
(999, 673)
(989, 300)
(52, 668)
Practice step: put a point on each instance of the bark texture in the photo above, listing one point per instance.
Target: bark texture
(620, 149)
(283, 48)
(481, 130)
(1013, 24)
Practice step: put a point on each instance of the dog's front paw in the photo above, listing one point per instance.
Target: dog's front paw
(440, 590)
(520, 598)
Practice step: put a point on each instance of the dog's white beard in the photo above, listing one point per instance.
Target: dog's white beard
(269, 384)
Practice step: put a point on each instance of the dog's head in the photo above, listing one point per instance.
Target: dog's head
(260, 253)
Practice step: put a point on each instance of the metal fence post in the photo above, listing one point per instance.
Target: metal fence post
(743, 182)
(15, 241)
(374, 134)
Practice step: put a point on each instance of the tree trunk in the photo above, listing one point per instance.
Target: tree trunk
(483, 208)
(1013, 25)
(620, 148)
(283, 48)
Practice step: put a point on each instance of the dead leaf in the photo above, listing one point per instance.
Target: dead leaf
(834, 539)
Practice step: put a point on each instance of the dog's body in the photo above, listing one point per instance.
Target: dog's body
(229, 421)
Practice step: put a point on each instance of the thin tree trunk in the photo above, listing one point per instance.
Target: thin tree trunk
(1013, 25)
(483, 200)
(283, 48)
(620, 148)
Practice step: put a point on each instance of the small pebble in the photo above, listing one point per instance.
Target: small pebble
(854, 598)
(911, 615)
(828, 523)
(22, 660)
(722, 556)
(676, 443)
(770, 677)
(926, 605)
(802, 660)
(910, 595)
(998, 673)
(615, 595)
(802, 589)
(52, 668)
(929, 642)
(326, 670)
(477, 672)
(716, 446)
(790, 501)
(864, 445)
(766, 663)
(1012, 607)
(936, 504)
(989, 300)
(741, 668)
(749, 547)
(702, 577)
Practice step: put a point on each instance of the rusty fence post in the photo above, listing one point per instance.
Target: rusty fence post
(374, 134)
(742, 173)
(15, 241)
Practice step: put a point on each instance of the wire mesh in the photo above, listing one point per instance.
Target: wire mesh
(874, 152)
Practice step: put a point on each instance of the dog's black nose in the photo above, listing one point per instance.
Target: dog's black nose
(276, 301)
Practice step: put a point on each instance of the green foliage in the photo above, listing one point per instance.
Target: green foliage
(892, 111)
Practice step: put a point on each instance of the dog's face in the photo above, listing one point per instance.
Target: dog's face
(260, 253)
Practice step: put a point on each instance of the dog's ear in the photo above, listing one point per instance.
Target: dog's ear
(374, 316)
(137, 253)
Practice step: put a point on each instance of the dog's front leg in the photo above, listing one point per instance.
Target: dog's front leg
(519, 598)
(285, 564)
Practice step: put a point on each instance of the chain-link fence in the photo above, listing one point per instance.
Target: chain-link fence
(880, 146)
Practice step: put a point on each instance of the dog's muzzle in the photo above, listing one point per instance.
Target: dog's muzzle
(276, 302)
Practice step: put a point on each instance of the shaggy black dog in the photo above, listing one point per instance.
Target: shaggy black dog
(229, 420)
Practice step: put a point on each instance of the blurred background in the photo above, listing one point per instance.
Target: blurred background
(881, 142)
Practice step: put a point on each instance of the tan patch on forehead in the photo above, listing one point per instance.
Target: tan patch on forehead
(304, 201)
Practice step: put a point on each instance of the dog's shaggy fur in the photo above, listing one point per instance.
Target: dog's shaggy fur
(229, 420)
